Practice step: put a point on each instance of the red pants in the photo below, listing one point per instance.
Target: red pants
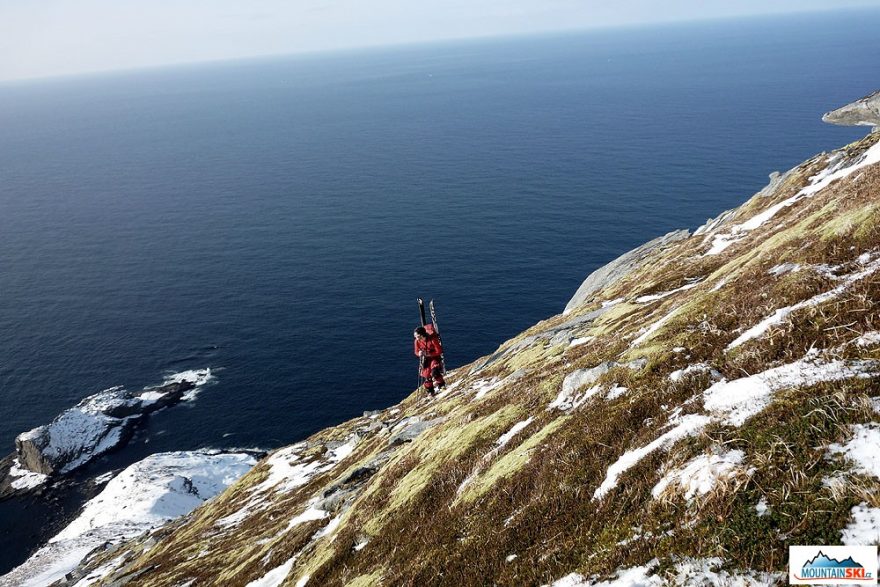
(432, 371)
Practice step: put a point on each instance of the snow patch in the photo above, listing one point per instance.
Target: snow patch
(688, 571)
(680, 374)
(699, 476)
(784, 268)
(782, 313)
(287, 473)
(484, 386)
(328, 529)
(102, 572)
(341, 452)
(819, 181)
(499, 444)
(653, 328)
(631, 577)
(721, 283)
(615, 392)
(25, 478)
(868, 339)
(580, 341)
(686, 426)
(861, 449)
(654, 297)
(738, 400)
(703, 571)
(761, 507)
(609, 303)
(234, 519)
(505, 438)
(157, 489)
(720, 242)
(831, 174)
(311, 513)
(275, 577)
(864, 528)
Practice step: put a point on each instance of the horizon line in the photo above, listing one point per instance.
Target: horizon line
(308, 53)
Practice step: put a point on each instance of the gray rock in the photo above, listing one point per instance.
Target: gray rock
(6, 479)
(561, 337)
(637, 364)
(621, 267)
(776, 180)
(523, 344)
(862, 112)
(583, 377)
(714, 223)
(556, 335)
(582, 320)
(410, 429)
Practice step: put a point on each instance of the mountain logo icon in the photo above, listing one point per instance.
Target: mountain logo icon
(822, 560)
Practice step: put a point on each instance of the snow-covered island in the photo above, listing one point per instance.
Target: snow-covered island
(99, 423)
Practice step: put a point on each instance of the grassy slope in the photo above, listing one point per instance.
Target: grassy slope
(533, 497)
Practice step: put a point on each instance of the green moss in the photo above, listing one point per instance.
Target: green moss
(536, 353)
(608, 321)
(650, 352)
(549, 387)
(852, 222)
(374, 578)
(510, 463)
(437, 448)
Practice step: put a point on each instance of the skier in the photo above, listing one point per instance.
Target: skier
(429, 350)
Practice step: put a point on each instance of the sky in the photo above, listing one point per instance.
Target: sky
(62, 37)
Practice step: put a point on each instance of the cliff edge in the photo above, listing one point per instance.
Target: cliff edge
(702, 404)
(863, 112)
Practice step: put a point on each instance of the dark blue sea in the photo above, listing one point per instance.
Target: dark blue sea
(276, 219)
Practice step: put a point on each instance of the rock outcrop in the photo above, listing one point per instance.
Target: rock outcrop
(863, 112)
(620, 268)
(97, 424)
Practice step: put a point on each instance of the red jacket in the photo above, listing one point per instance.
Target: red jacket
(430, 346)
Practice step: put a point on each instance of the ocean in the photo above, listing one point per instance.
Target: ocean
(276, 219)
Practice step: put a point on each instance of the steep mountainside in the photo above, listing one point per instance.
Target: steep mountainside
(700, 406)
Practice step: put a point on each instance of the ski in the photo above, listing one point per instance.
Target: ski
(437, 330)
(422, 311)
